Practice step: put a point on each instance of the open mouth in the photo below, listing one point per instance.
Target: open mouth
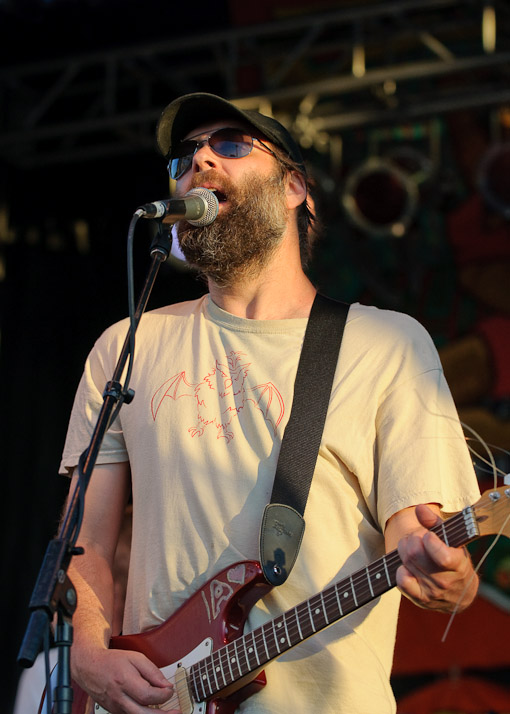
(222, 198)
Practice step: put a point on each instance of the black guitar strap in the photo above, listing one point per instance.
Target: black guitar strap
(283, 524)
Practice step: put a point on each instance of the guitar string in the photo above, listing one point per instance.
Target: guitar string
(495, 470)
(174, 701)
(490, 462)
(476, 570)
(484, 444)
(329, 598)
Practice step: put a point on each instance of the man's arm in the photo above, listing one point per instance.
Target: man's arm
(433, 575)
(123, 682)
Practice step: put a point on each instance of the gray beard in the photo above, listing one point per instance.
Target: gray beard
(240, 242)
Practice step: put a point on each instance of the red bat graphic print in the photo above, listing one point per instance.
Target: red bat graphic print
(221, 395)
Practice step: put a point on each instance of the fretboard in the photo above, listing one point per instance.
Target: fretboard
(252, 651)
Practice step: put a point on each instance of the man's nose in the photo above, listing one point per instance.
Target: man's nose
(204, 157)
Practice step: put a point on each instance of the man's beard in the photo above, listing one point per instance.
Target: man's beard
(242, 239)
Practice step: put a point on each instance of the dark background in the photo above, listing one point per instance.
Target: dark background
(82, 83)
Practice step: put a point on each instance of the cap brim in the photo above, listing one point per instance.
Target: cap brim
(189, 111)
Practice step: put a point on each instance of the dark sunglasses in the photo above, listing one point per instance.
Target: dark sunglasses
(229, 143)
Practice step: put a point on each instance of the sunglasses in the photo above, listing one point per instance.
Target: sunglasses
(228, 143)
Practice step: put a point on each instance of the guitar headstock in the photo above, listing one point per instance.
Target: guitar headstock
(492, 511)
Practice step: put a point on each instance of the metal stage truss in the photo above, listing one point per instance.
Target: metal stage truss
(321, 74)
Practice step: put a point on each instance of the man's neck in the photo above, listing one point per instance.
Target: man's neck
(273, 295)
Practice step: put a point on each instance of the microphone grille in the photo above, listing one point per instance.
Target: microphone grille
(212, 206)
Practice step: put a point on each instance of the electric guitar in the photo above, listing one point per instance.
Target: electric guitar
(213, 666)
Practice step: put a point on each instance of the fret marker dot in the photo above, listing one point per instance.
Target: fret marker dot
(233, 660)
(279, 624)
(346, 594)
(204, 676)
(217, 669)
(378, 575)
(317, 611)
(250, 649)
(282, 639)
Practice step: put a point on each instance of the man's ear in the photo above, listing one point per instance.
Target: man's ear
(295, 189)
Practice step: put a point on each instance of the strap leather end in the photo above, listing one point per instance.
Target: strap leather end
(281, 533)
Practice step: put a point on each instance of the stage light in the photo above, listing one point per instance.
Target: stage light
(380, 198)
(489, 29)
(494, 178)
(358, 61)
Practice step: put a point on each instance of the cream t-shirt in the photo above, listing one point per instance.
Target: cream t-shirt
(213, 394)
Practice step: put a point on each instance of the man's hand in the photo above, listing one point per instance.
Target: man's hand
(432, 575)
(124, 682)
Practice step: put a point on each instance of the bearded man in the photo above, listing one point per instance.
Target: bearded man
(392, 454)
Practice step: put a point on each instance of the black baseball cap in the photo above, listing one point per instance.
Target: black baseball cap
(189, 111)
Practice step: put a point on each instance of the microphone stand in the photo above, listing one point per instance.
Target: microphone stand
(54, 591)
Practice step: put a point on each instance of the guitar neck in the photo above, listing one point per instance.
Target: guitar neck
(252, 651)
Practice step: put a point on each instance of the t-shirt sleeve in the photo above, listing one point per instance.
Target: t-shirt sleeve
(421, 449)
(88, 402)
(423, 457)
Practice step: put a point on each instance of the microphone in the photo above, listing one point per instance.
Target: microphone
(199, 207)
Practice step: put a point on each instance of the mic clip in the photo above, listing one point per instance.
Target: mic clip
(114, 389)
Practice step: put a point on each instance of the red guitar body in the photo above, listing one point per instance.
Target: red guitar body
(217, 611)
